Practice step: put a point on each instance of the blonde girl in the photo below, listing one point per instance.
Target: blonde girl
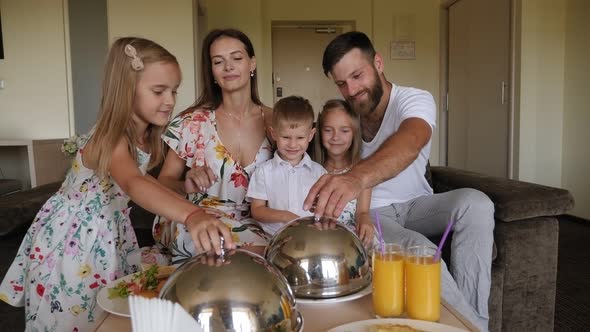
(337, 148)
(81, 238)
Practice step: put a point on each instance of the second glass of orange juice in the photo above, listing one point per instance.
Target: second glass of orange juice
(422, 283)
(388, 280)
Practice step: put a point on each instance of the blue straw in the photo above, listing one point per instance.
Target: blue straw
(380, 233)
(442, 241)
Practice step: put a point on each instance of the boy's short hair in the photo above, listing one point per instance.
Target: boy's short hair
(294, 110)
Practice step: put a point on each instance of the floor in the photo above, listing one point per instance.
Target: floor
(572, 303)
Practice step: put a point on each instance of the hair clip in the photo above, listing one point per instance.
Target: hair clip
(136, 62)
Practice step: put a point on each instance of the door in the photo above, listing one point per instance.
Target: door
(297, 63)
(89, 44)
(479, 73)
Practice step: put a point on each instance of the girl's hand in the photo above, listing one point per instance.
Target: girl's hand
(199, 179)
(365, 231)
(206, 232)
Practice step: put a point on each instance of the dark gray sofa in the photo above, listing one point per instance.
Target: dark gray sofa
(524, 270)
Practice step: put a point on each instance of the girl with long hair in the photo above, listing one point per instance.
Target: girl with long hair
(81, 238)
(337, 148)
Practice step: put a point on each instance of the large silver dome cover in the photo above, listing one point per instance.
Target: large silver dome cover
(320, 258)
(238, 291)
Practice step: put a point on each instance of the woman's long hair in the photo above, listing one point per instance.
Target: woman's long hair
(354, 152)
(116, 106)
(210, 96)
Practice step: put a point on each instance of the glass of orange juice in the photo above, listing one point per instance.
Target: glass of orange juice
(388, 280)
(422, 283)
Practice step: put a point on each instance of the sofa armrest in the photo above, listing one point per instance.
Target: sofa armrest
(513, 200)
(18, 210)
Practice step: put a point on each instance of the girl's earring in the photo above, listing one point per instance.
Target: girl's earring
(252, 74)
(214, 81)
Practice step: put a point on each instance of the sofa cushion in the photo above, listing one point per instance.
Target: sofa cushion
(8, 186)
(18, 210)
(428, 175)
(513, 200)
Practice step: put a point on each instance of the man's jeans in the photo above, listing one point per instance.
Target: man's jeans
(467, 287)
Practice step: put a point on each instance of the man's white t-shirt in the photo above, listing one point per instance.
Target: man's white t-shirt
(283, 186)
(404, 103)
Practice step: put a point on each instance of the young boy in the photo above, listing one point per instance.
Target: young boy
(279, 186)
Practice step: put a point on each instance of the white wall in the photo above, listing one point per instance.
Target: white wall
(576, 153)
(34, 102)
(554, 69)
(375, 18)
(169, 23)
(418, 21)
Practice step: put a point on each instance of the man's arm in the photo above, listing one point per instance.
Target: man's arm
(392, 157)
(395, 154)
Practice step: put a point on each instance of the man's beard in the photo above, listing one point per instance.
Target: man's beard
(374, 94)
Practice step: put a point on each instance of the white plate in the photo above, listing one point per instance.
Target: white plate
(118, 305)
(365, 291)
(363, 325)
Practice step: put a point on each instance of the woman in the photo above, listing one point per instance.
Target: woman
(220, 139)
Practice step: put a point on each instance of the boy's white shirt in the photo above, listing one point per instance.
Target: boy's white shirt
(283, 186)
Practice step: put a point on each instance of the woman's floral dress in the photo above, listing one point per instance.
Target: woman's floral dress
(77, 243)
(194, 138)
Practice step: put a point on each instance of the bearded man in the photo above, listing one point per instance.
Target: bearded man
(397, 124)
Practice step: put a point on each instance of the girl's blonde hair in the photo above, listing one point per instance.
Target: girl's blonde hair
(118, 97)
(354, 152)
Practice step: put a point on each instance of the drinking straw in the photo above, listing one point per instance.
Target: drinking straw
(380, 233)
(442, 241)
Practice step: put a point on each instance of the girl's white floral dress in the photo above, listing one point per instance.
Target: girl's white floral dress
(77, 243)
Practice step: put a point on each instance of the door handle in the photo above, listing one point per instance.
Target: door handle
(503, 92)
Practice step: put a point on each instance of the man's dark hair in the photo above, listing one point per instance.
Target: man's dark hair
(344, 43)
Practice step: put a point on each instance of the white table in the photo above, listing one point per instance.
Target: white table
(317, 317)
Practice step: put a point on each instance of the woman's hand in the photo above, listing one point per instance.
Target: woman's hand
(206, 232)
(199, 179)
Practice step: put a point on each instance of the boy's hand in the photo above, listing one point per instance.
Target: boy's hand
(206, 232)
(365, 231)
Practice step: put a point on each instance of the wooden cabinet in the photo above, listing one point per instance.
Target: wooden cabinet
(34, 162)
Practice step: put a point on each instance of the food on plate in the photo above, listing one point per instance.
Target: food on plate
(392, 328)
(147, 283)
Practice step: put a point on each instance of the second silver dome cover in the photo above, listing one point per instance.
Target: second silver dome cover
(320, 259)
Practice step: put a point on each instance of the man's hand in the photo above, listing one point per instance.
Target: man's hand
(330, 194)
